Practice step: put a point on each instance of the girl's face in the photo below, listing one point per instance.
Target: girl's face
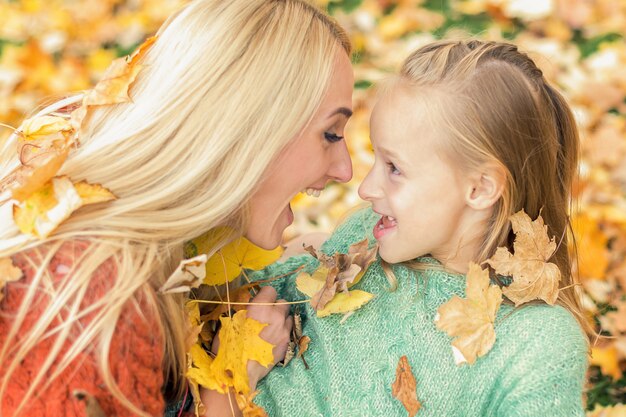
(417, 190)
(318, 155)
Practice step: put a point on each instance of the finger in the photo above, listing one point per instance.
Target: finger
(283, 308)
(266, 295)
(289, 323)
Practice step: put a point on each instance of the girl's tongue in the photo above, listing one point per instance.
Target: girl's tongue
(389, 221)
(384, 225)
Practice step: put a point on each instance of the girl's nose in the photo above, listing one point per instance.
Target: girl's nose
(369, 190)
(341, 167)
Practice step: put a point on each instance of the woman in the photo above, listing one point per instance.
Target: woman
(237, 107)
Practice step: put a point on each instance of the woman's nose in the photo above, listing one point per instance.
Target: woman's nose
(341, 167)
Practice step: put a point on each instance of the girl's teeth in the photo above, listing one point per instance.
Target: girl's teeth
(391, 218)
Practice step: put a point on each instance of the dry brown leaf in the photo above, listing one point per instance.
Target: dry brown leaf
(404, 387)
(471, 320)
(339, 272)
(189, 274)
(533, 276)
(324, 295)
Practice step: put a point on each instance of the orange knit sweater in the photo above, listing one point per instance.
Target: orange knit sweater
(135, 355)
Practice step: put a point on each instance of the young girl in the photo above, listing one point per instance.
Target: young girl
(469, 134)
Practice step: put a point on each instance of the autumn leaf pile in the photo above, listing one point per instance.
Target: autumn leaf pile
(55, 46)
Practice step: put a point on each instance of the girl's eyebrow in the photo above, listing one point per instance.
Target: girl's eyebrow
(341, 110)
(390, 153)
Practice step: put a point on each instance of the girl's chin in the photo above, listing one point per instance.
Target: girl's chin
(389, 255)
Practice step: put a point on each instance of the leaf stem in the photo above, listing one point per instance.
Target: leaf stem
(248, 304)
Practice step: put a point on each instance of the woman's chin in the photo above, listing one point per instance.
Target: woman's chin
(272, 237)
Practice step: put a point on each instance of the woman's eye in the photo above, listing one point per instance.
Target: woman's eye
(332, 137)
(392, 168)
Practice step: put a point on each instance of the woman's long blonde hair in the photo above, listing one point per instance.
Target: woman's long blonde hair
(224, 88)
(494, 106)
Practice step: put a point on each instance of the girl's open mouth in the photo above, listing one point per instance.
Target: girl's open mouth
(384, 226)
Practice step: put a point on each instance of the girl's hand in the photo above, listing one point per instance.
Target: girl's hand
(277, 332)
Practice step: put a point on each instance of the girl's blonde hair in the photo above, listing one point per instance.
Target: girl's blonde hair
(495, 107)
(222, 91)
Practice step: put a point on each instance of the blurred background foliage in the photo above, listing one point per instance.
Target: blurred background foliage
(52, 47)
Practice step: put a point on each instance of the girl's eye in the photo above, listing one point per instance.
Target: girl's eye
(332, 137)
(392, 168)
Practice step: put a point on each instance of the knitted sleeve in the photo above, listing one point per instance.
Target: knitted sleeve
(546, 372)
(135, 354)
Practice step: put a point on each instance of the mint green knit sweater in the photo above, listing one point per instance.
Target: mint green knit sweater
(536, 367)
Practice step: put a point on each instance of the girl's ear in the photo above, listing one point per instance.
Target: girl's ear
(485, 187)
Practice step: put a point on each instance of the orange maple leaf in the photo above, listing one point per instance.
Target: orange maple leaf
(533, 276)
(471, 321)
(404, 387)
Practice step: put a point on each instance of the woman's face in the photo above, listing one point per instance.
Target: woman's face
(312, 159)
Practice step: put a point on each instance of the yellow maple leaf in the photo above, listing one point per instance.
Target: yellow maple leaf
(533, 276)
(8, 273)
(42, 212)
(310, 284)
(229, 262)
(198, 361)
(345, 302)
(471, 320)
(239, 343)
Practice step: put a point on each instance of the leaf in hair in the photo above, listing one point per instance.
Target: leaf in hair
(533, 276)
(470, 321)
(46, 208)
(43, 145)
(115, 84)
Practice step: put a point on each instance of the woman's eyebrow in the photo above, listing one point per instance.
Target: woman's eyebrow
(341, 110)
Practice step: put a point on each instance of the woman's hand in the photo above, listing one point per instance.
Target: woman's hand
(277, 332)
